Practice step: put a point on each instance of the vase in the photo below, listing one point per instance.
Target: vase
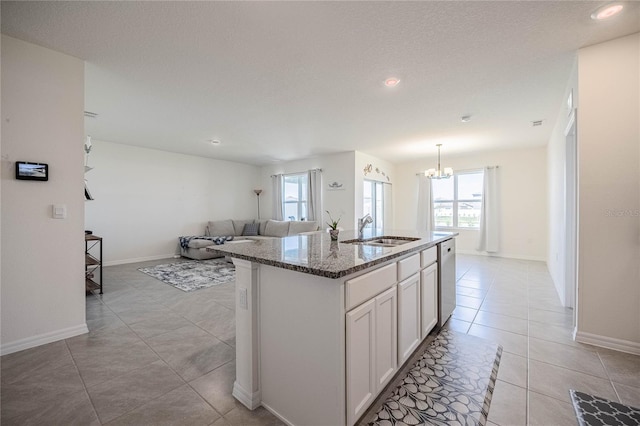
(334, 234)
(334, 248)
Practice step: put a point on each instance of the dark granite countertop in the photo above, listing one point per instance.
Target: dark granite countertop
(316, 254)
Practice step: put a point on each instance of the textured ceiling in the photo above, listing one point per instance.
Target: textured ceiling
(277, 81)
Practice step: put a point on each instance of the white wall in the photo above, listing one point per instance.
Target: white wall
(609, 193)
(145, 198)
(522, 189)
(43, 289)
(335, 168)
(556, 157)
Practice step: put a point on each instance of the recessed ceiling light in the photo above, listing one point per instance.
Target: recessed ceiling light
(607, 11)
(391, 82)
(465, 118)
(214, 142)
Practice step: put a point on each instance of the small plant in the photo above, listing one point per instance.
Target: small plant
(333, 224)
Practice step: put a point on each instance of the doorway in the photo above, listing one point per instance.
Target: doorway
(377, 203)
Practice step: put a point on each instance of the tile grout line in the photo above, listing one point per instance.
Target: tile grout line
(164, 362)
(609, 377)
(159, 358)
(176, 313)
(221, 415)
(84, 385)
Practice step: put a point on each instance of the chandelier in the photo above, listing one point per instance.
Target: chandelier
(439, 173)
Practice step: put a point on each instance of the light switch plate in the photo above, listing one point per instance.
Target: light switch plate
(59, 211)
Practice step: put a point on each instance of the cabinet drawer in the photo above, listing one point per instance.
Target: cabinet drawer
(366, 286)
(408, 266)
(429, 256)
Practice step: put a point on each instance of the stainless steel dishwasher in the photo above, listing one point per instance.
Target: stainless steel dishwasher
(446, 280)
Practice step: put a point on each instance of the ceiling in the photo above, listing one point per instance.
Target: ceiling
(277, 81)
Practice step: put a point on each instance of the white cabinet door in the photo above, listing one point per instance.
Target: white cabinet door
(386, 337)
(408, 317)
(429, 294)
(361, 362)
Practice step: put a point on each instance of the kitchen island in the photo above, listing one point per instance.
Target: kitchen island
(323, 326)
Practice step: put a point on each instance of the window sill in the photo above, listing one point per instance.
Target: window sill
(450, 229)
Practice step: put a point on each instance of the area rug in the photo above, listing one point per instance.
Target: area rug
(194, 274)
(450, 384)
(595, 411)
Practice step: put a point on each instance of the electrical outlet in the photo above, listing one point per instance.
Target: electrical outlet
(243, 298)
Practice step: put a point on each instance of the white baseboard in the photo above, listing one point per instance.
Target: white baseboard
(502, 255)
(42, 339)
(607, 342)
(278, 415)
(251, 400)
(140, 259)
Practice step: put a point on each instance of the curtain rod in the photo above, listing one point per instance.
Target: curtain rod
(466, 170)
(298, 173)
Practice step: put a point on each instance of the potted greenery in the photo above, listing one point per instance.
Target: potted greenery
(333, 227)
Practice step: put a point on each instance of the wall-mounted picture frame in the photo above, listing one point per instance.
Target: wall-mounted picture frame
(32, 171)
(335, 186)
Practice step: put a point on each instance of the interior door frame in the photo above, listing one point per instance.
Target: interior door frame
(571, 214)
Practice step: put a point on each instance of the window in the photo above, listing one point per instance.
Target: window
(373, 202)
(457, 200)
(294, 193)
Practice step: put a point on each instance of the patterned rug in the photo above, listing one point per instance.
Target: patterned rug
(451, 384)
(194, 274)
(594, 411)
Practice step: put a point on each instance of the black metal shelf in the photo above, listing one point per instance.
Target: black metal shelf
(92, 262)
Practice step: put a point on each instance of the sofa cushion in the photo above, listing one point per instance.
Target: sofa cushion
(220, 228)
(296, 227)
(262, 224)
(276, 228)
(258, 238)
(238, 226)
(196, 243)
(250, 229)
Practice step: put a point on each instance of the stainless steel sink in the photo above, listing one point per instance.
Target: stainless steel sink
(382, 241)
(441, 234)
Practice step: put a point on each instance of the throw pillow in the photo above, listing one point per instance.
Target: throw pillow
(276, 228)
(250, 229)
(238, 226)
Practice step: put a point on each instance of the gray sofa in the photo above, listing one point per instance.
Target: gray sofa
(264, 229)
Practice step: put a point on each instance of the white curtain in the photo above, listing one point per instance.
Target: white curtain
(425, 204)
(314, 194)
(489, 220)
(277, 196)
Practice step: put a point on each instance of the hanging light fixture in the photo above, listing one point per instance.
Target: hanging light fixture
(439, 173)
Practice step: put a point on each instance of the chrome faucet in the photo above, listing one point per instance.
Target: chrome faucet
(367, 219)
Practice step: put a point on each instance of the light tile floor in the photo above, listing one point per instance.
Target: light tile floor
(157, 355)
(514, 303)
